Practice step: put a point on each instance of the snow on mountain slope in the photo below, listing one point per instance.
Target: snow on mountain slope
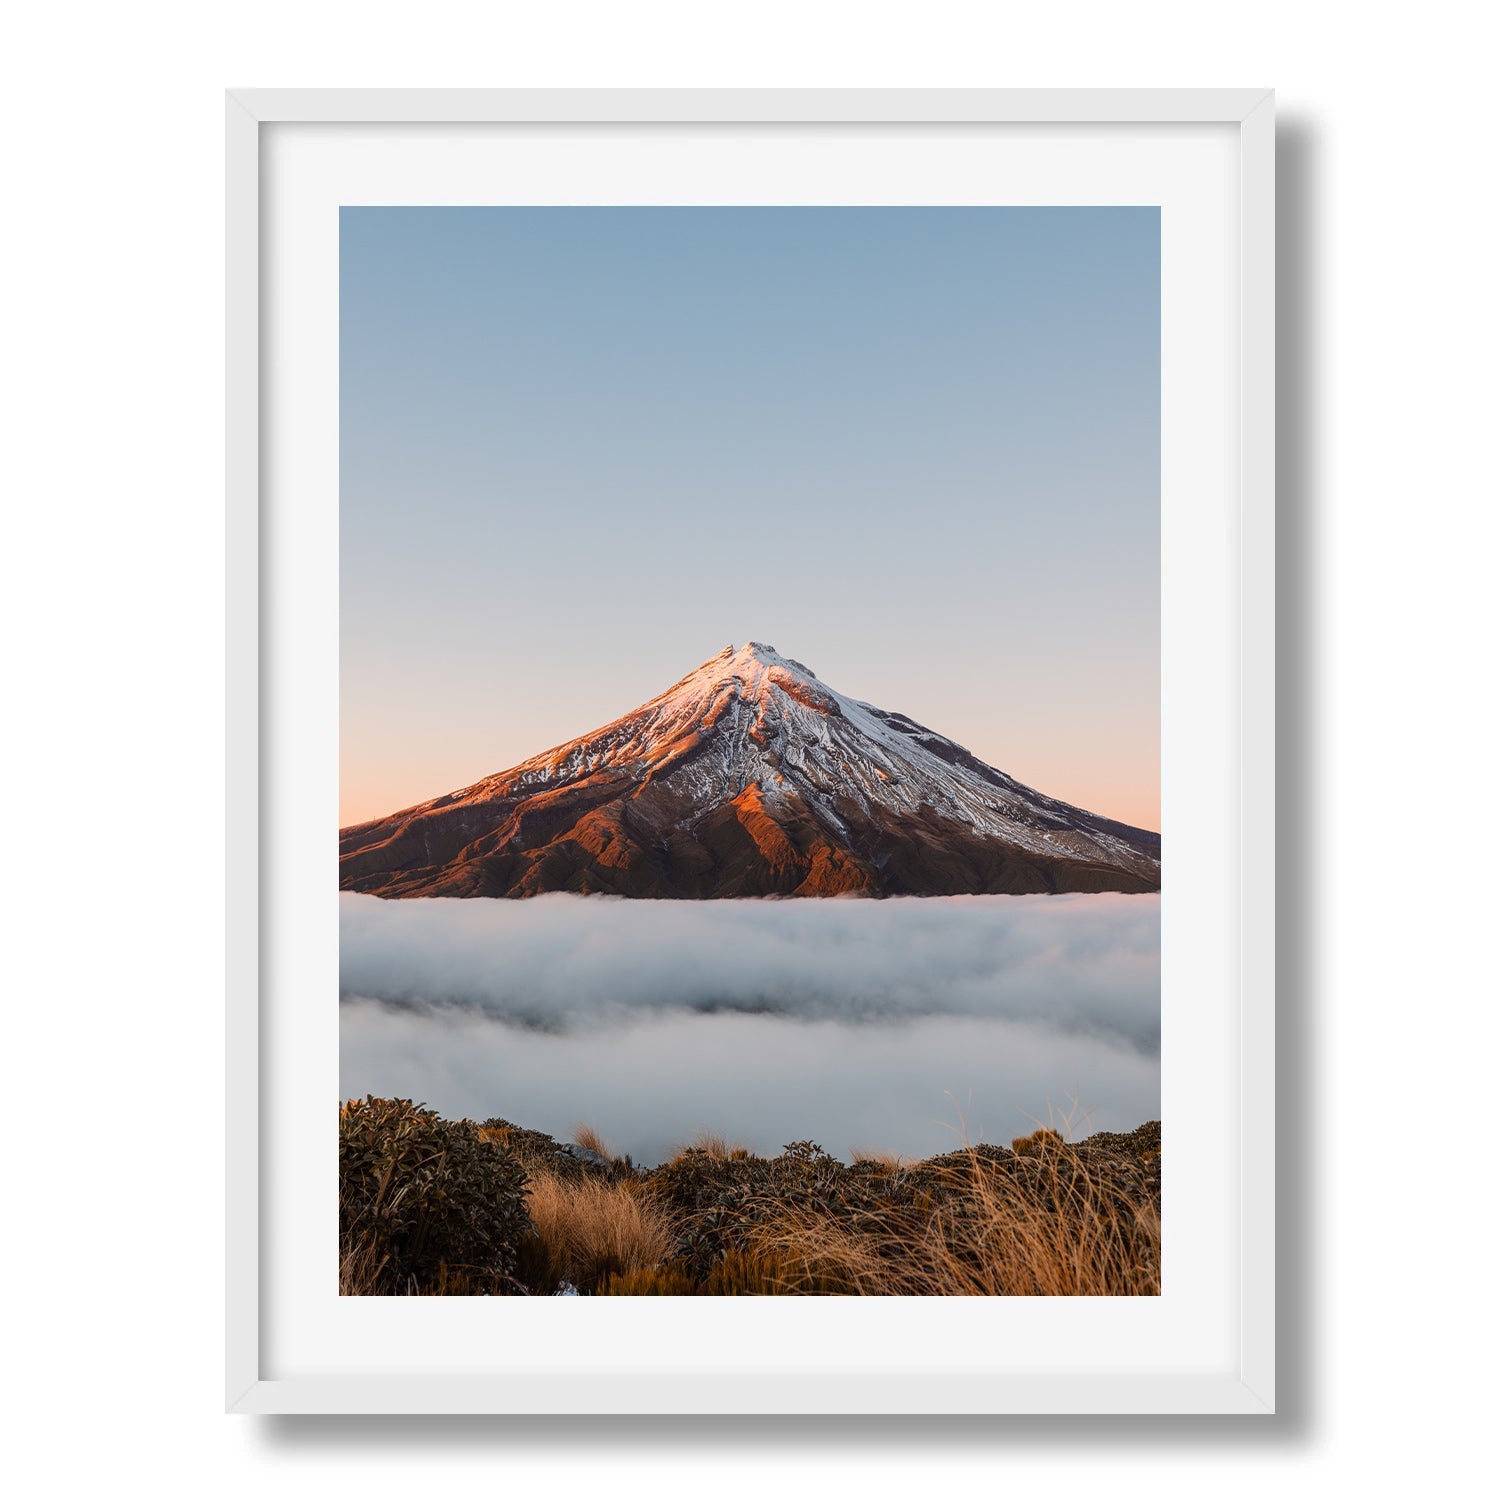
(748, 777)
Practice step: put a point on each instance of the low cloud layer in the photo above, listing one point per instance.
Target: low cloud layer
(916, 1087)
(891, 1024)
(1077, 964)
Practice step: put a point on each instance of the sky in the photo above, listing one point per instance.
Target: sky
(583, 449)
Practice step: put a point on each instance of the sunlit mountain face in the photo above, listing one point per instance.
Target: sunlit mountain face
(749, 777)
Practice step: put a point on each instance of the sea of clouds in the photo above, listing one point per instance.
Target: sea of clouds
(888, 1024)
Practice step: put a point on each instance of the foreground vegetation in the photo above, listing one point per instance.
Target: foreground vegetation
(434, 1207)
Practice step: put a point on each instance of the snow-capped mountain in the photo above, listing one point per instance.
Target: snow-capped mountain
(748, 778)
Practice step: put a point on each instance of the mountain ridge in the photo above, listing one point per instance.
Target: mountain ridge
(748, 777)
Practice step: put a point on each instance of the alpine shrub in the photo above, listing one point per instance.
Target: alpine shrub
(425, 1202)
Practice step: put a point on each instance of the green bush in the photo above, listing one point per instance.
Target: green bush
(425, 1204)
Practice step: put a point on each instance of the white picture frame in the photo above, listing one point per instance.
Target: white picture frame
(1243, 1381)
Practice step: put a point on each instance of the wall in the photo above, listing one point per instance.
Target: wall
(112, 609)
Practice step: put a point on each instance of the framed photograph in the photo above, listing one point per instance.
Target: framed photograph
(751, 776)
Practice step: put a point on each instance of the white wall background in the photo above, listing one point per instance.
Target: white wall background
(112, 616)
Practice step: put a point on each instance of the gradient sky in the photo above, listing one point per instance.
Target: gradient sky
(582, 449)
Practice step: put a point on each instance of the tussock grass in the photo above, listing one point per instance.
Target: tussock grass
(748, 1273)
(1038, 1142)
(1051, 1229)
(886, 1161)
(714, 1146)
(590, 1139)
(654, 1281)
(362, 1260)
(589, 1229)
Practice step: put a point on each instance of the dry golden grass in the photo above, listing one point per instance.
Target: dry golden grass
(362, 1258)
(714, 1145)
(360, 1265)
(887, 1161)
(590, 1139)
(654, 1281)
(1038, 1142)
(1055, 1233)
(745, 1273)
(590, 1230)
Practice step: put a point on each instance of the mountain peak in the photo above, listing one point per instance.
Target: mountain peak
(752, 657)
(748, 777)
(757, 652)
(755, 674)
(762, 652)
